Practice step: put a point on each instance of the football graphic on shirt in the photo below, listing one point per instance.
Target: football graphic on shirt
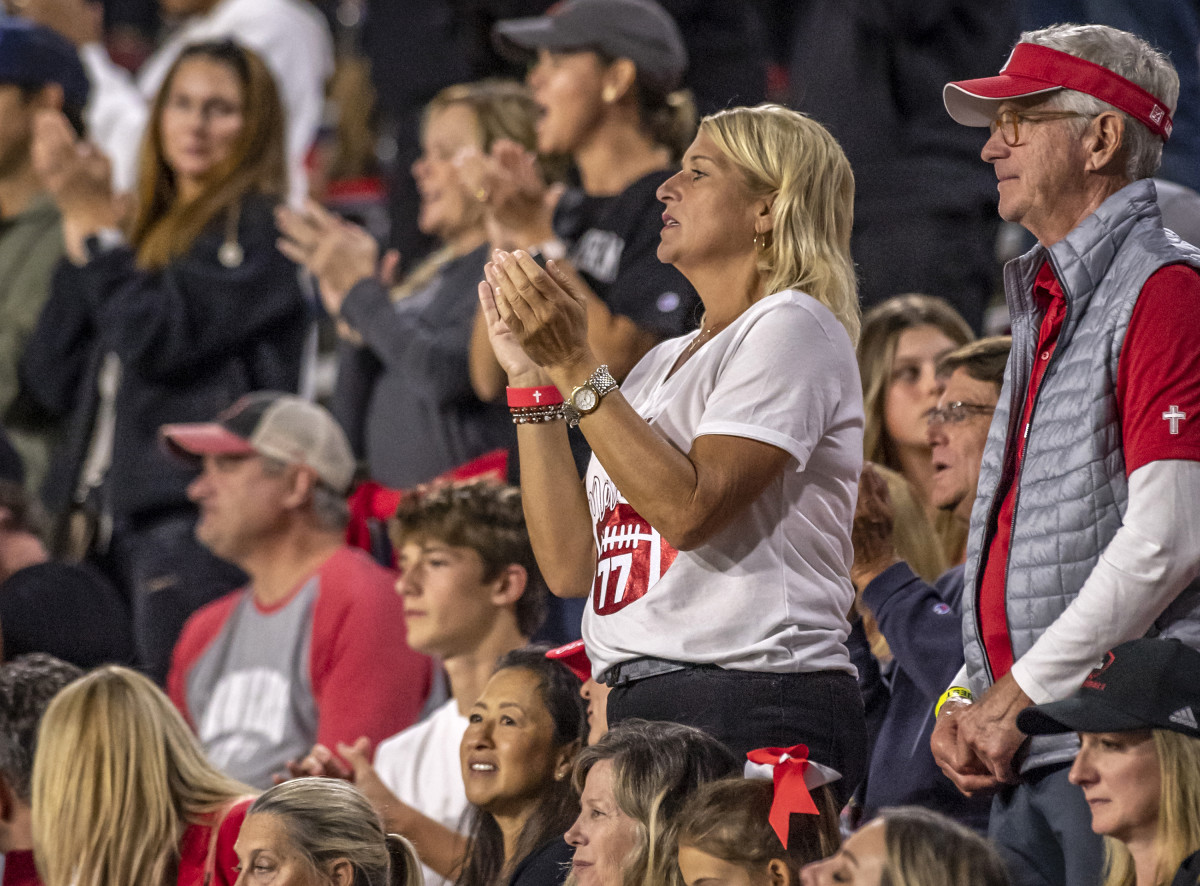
(633, 557)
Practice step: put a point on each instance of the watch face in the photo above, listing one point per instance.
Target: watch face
(586, 399)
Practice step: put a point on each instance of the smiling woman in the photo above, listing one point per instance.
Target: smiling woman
(403, 386)
(516, 756)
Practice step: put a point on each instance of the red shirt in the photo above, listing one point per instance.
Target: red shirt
(1158, 406)
(197, 842)
(19, 869)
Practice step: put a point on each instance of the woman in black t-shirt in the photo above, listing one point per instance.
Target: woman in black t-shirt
(605, 86)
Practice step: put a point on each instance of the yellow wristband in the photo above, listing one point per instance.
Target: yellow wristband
(954, 693)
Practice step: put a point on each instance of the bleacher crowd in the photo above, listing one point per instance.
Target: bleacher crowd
(756, 447)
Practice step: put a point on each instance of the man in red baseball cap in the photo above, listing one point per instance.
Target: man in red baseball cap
(1085, 532)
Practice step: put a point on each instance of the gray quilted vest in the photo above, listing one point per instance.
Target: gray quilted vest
(1072, 489)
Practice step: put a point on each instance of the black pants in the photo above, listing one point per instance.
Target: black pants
(747, 710)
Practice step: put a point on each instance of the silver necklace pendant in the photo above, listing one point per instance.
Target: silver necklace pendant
(231, 255)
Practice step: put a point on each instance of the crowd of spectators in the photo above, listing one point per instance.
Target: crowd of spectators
(393, 493)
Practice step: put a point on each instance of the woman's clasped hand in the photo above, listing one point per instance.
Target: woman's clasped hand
(545, 310)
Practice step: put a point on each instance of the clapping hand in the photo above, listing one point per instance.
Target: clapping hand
(339, 254)
(79, 178)
(545, 310)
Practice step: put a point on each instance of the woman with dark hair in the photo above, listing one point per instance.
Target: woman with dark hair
(605, 77)
(170, 320)
(523, 736)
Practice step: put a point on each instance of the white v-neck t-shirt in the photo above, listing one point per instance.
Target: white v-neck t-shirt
(771, 590)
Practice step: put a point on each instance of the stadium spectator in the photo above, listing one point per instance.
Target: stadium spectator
(315, 830)
(69, 610)
(403, 389)
(728, 833)
(603, 74)
(902, 339)
(921, 621)
(197, 308)
(313, 649)
(1095, 433)
(1139, 760)
(713, 531)
(910, 846)
(38, 70)
(525, 733)
(290, 36)
(471, 594)
(122, 793)
(27, 684)
(632, 785)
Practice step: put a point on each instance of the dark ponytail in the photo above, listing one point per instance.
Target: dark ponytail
(670, 119)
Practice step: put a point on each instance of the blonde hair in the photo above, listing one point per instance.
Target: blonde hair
(655, 767)
(783, 152)
(1178, 833)
(503, 109)
(925, 848)
(165, 227)
(328, 820)
(117, 778)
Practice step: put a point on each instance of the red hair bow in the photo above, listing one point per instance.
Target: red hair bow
(791, 793)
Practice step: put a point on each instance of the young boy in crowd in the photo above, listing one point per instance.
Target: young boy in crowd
(471, 593)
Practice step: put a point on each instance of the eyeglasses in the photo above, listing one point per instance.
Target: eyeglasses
(1008, 122)
(957, 412)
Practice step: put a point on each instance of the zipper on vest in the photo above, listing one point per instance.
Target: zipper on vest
(1023, 450)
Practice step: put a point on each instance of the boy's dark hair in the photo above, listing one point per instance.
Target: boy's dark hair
(485, 517)
(27, 684)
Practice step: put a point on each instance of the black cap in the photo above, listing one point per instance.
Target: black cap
(1142, 684)
(33, 55)
(639, 30)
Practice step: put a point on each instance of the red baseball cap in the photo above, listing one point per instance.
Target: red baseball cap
(1032, 69)
(575, 657)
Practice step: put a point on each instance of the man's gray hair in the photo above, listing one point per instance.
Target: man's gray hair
(329, 509)
(1129, 56)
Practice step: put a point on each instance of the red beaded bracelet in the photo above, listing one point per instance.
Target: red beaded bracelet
(546, 395)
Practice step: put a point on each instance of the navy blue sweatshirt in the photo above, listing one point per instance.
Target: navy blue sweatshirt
(923, 626)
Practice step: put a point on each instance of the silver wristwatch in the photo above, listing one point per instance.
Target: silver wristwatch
(585, 399)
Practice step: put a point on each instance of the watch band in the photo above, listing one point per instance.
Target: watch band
(600, 382)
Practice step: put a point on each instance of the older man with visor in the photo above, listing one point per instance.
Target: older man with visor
(1086, 530)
